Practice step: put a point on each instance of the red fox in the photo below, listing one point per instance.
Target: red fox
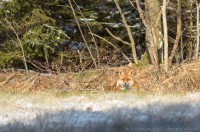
(125, 81)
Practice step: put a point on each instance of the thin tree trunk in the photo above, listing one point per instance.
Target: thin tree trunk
(21, 46)
(93, 38)
(191, 30)
(181, 46)
(178, 34)
(197, 45)
(165, 35)
(78, 24)
(129, 32)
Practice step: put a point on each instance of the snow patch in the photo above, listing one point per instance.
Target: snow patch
(80, 113)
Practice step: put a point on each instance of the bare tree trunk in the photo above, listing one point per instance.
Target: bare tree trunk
(21, 46)
(181, 48)
(153, 18)
(93, 38)
(165, 35)
(150, 38)
(178, 34)
(197, 45)
(191, 30)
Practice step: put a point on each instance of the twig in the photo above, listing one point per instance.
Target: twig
(7, 79)
(26, 85)
(113, 46)
(31, 83)
(32, 63)
(117, 38)
(78, 24)
(97, 51)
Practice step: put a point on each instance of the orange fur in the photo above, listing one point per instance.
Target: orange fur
(124, 81)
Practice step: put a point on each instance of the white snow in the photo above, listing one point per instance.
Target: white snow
(103, 113)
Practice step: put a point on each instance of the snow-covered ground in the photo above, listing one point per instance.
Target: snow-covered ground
(110, 112)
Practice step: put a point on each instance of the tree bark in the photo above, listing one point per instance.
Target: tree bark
(132, 42)
(153, 18)
(151, 41)
(178, 34)
(165, 31)
(191, 24)
(197, 45)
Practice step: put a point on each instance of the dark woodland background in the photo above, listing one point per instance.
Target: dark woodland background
(74, 35)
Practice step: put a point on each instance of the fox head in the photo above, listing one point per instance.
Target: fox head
(125, 80)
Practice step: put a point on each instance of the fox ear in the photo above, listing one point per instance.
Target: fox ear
(131, 73)
(120, 73)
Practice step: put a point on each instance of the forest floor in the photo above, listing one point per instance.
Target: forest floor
(77, 102)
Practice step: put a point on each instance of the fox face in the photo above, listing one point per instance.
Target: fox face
(126, 81)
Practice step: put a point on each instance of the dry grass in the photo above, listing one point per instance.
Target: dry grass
(180, 79)
(76, 101)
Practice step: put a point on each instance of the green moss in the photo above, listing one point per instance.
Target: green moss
(144, 60)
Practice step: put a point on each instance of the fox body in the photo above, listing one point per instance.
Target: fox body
(124, 81)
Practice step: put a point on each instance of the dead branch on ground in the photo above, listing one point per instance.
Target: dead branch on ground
(7, 79)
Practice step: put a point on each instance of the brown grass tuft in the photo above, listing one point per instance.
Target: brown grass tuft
(179, 79)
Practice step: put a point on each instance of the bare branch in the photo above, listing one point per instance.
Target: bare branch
(117, 38)
(113, 46)
(78, 24)
(129, 32)
(89, 31)
(7, 79)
